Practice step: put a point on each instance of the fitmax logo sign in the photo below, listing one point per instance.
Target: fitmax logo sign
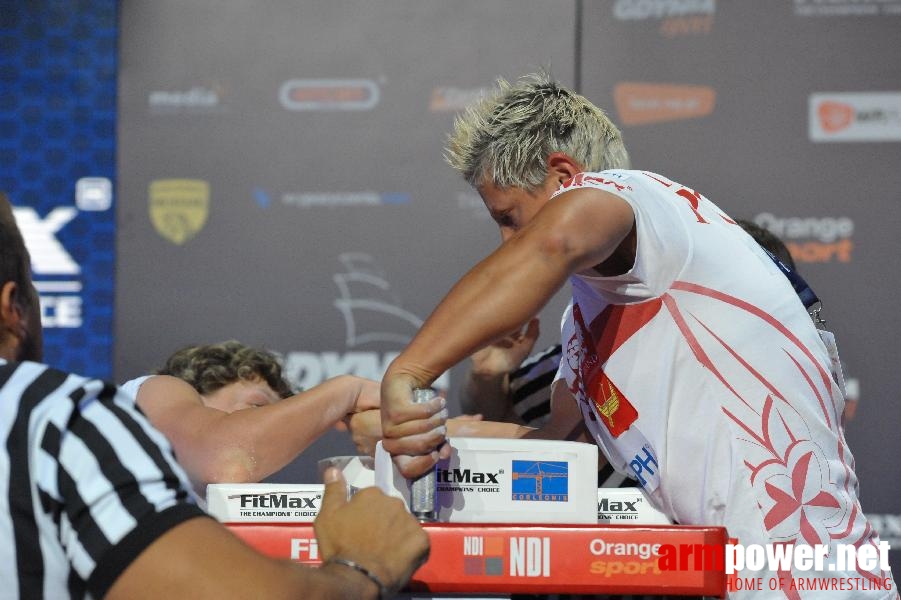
(605, 505)
(467, 476)
(277, 501)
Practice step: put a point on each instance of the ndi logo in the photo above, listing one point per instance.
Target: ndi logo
(546, 481)
(483, 555)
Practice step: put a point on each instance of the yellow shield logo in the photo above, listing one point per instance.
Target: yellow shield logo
(179, 207)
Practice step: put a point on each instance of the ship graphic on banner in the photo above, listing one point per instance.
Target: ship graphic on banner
(372, 315)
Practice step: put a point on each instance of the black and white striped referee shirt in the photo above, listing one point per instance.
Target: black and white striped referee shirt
(86, 484)
(530, 386)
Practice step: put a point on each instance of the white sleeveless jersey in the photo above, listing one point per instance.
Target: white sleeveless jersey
(700, 374)
(132, 386)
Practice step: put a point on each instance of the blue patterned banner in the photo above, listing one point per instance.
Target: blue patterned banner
(57, 163)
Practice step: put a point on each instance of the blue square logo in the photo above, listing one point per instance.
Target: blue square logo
(543, 481)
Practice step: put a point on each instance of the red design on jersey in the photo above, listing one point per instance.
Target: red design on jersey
(616, 412)
(617, 323)
(614, 409)
(582, 179)
(657, 179)
(694, 200)
(574, 181)
(711, 293)
(802, 498)
(799, 495)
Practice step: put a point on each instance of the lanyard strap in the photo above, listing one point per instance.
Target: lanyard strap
(802, 288)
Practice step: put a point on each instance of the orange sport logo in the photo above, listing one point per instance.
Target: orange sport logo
(812, 239)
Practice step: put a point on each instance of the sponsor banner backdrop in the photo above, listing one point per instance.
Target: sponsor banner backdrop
(787, 113)
(57, 138)
(282, 181)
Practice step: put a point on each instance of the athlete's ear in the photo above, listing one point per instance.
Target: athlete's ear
(9, 310)
(562, 167)
(10, 314)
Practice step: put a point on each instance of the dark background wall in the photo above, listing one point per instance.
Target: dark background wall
(728, 98)
(280, 177)
(330, 224)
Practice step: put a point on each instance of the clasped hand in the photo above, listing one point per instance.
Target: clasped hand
(414, 434)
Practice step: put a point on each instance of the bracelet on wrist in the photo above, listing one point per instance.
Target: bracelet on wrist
(384, 591)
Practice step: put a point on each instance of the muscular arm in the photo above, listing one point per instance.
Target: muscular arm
(573, 232)
(246, 445)
(201, 559)
(565, 423)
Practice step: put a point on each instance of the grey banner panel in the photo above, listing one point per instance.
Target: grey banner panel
(787, 113)
(281, 174)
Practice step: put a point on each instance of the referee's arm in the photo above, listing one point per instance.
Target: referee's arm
(169, 548)
(200, 559)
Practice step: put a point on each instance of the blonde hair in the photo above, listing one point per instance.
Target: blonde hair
(506, 138)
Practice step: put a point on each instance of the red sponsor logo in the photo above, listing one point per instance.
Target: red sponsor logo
(645, 103)
(835, 116)
(329, 94)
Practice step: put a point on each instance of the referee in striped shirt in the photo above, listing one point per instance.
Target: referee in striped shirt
(93, 504)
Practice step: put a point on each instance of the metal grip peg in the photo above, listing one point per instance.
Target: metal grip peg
(423, 490)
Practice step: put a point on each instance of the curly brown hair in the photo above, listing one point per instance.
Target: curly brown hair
(769, 241)
(210, 367)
